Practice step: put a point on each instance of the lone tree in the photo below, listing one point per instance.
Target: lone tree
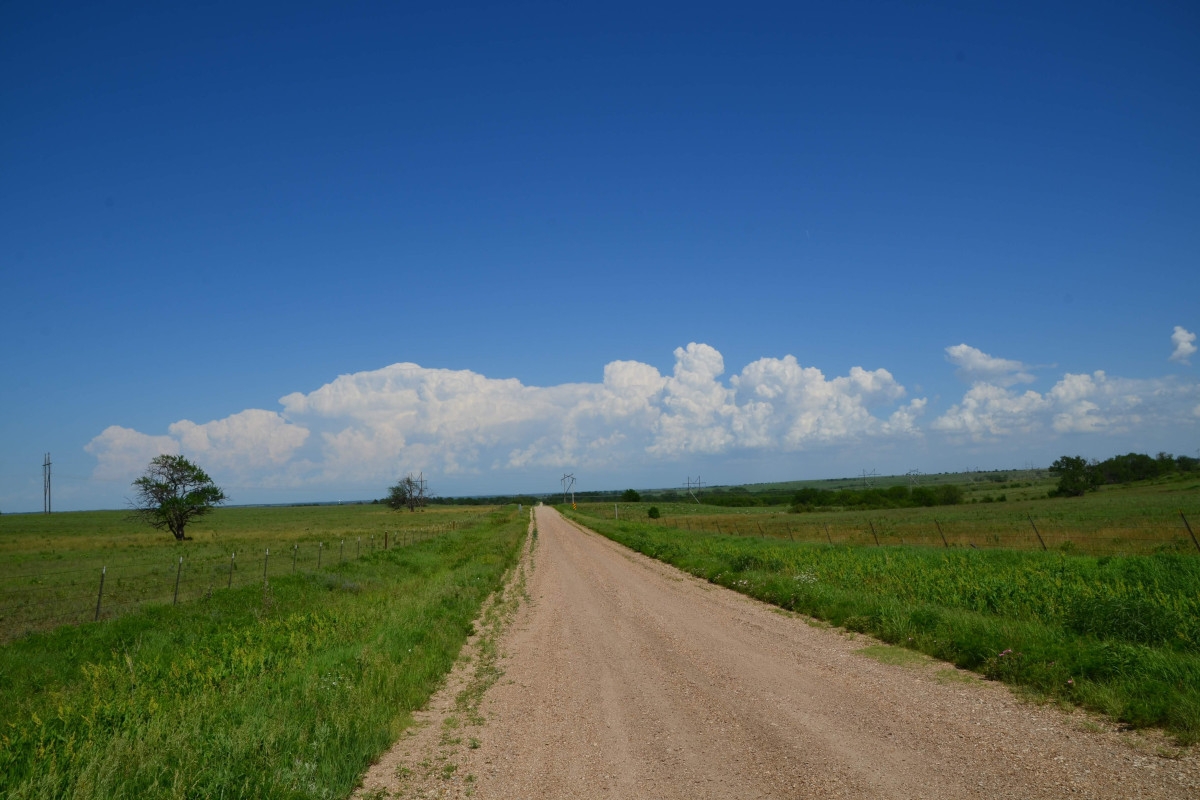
(631, 496)
(172, 493)
(409, 493)
(1075, 476)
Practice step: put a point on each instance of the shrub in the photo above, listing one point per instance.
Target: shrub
(653, 512)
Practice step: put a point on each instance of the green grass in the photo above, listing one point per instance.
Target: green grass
(1120, 635)
(1127, 519)
(50, 565)
(286, 691)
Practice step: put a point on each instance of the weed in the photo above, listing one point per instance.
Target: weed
(951, 676)
(896, 656)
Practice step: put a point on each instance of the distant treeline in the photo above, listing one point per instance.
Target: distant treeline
(507, 500)
(891, 497)
(1077, 475)
(1140, 467)
(738, 497)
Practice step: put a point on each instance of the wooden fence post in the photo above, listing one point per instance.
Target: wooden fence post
(939, 527)
(266, 556)
(1189, 529)
(827, 534)
(1039, 533)
(873, 533)
(232, 556)
(295, 550)
(100, 596)
(178, 572)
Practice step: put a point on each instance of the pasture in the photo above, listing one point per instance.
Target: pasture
(51, 566)
(287, 687)
(1146, 517)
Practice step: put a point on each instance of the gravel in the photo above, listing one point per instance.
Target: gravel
(624, 677)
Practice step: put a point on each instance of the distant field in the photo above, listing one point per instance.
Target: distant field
(50, 565)
(1135, 518)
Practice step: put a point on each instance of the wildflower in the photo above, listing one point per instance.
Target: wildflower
(1070, 681)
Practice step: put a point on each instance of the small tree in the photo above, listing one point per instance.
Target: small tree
(172, 493)
(631, 496)
(409, 493)
(653, 512)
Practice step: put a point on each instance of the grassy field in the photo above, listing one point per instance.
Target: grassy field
(288, 688)
(1118, 634)
(1129, 519)
(51, 565)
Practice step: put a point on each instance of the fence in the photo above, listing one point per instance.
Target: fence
(1027, 534)
(44, 599)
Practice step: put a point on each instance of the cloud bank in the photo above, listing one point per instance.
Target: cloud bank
(369, 427)
(374, 425)
(1077, 403)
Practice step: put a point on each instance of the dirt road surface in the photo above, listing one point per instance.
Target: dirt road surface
(624, 678)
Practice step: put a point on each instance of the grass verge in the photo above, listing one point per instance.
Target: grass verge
(285, 691)
(1120, 635)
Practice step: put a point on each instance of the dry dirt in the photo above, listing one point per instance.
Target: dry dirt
(620, 677)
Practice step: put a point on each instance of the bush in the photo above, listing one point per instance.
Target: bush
(653, 512)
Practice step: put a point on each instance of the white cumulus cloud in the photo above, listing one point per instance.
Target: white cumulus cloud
(975, 366)
(248, 439)
(373, 425)
(123, 452)
(1077, 403)
(1184, 341)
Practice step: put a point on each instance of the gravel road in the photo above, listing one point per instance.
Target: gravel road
(624, 678)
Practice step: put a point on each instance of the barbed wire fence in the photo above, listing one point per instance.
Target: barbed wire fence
(43, 599)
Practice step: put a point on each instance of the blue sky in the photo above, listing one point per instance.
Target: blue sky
(314, 246)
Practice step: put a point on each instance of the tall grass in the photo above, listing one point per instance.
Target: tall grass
(284, 690)
(51, 565)
(1117, 634)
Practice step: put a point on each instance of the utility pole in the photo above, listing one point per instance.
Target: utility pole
(46, 485)
(698, 485)
(568, 484)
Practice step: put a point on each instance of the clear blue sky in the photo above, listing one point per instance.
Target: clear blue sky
(222, 224)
